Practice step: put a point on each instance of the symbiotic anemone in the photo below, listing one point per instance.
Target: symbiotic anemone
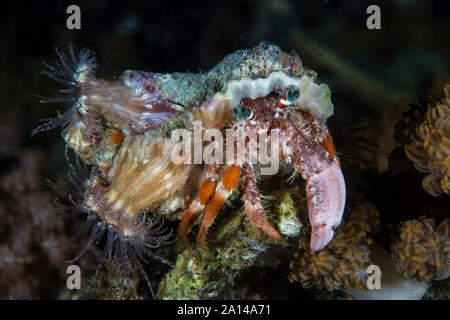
(71, 72)
(146, 231)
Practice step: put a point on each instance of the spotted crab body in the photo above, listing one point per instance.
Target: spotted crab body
(306, 145)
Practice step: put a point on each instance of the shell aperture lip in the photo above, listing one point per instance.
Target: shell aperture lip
(313, 98)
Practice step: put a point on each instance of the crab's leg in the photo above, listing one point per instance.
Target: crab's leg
(252, 203)
(205, 194)
(229, 183)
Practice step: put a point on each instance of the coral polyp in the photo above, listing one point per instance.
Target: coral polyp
(343, 264)
(421, 251)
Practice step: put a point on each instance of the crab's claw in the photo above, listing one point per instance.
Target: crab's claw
(326, 201)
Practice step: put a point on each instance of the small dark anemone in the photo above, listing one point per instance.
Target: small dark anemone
(131, 251)
(68, 72)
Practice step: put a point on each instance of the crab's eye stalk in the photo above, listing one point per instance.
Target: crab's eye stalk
(290, 96)
(292, 93)
(242, 112)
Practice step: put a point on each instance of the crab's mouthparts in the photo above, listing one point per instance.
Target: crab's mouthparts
(326, 202)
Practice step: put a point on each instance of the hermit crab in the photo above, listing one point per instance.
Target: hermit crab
(124, 129)
(303, 142)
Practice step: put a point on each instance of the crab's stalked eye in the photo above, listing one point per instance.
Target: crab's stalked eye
(292, 93)
(242, 112)
(290, 96)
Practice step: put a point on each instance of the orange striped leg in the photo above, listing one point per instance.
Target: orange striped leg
(252, 203)
(229, 183)
(205, 194)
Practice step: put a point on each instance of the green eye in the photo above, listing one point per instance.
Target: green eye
(242, 112)
(292, 94)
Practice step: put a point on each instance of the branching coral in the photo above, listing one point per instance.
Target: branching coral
(343, 263)
(422, 251)
(430, 149)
